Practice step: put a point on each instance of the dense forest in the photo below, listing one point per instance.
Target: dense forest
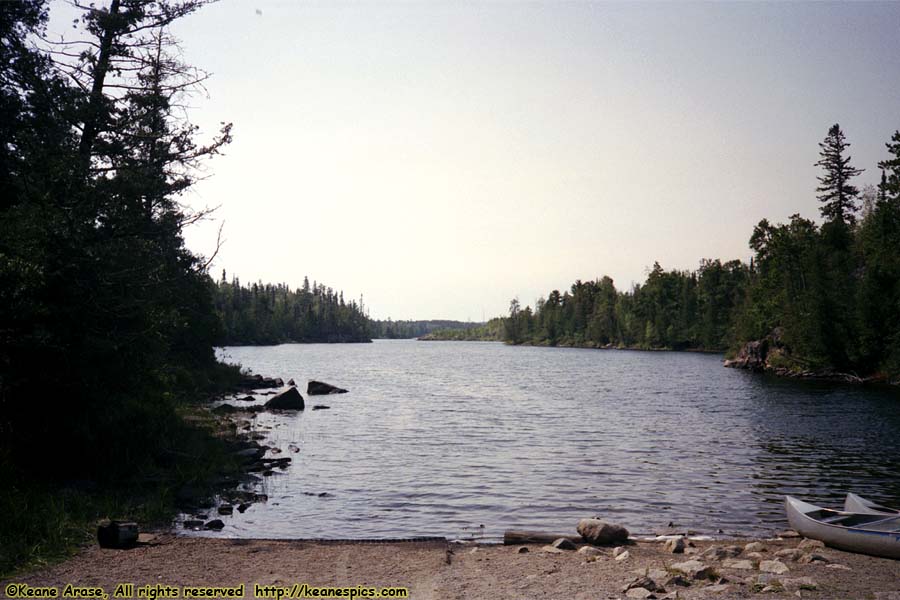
(107, 322)
(672, 309)
(273, 314)
(103, 307)
(826, 297)
(399, 330)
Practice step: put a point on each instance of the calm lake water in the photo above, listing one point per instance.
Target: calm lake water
(464, 440)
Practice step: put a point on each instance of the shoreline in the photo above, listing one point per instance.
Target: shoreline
(828, 376)
(439, 569)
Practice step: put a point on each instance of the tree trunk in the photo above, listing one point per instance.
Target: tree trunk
(94, 112)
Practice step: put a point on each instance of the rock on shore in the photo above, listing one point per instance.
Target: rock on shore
(601, 533)
(433, 570)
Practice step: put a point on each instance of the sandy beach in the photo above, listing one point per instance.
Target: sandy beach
(438, 570)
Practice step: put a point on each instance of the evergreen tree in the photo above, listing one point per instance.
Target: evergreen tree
(95, 278)
(890, 170)
(836, 193)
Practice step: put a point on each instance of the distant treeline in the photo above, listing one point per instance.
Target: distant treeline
(394, 330)
(672, 309)
(491, 331)
(829, 293)
(273, 314)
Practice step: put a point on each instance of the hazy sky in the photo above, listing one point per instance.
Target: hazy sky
(442, 158)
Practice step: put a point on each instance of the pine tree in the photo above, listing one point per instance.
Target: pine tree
(890, 170)
(835, 192)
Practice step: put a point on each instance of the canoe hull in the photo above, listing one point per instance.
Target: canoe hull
(863, 541)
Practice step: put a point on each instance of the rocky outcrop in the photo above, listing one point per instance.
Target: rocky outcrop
(758, 355)
(319, 388)
(290, 399)
(772, 355)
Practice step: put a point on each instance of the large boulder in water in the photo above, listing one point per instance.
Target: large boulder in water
(601, 533)
(319, 388)
(290, 399)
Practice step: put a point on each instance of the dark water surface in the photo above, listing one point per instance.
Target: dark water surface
(467, 439)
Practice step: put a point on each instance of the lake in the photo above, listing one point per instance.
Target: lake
(467, 439)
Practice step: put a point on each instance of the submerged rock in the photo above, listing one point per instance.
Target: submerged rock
(290, 399)
(320, 388)
(231, 408)
(259, 382)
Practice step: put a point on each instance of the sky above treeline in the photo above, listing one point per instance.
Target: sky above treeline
(441, 158)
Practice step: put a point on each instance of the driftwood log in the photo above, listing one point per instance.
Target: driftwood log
(517, 536)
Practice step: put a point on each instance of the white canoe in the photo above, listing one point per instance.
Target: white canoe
(878, 535)
(858, 504)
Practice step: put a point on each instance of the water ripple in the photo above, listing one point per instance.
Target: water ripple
(468, 439)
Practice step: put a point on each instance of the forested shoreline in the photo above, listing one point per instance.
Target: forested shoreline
(814, 299)
(107, 323)
(492, 331)
(260, 314)
(399, 330)
(676, 310)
